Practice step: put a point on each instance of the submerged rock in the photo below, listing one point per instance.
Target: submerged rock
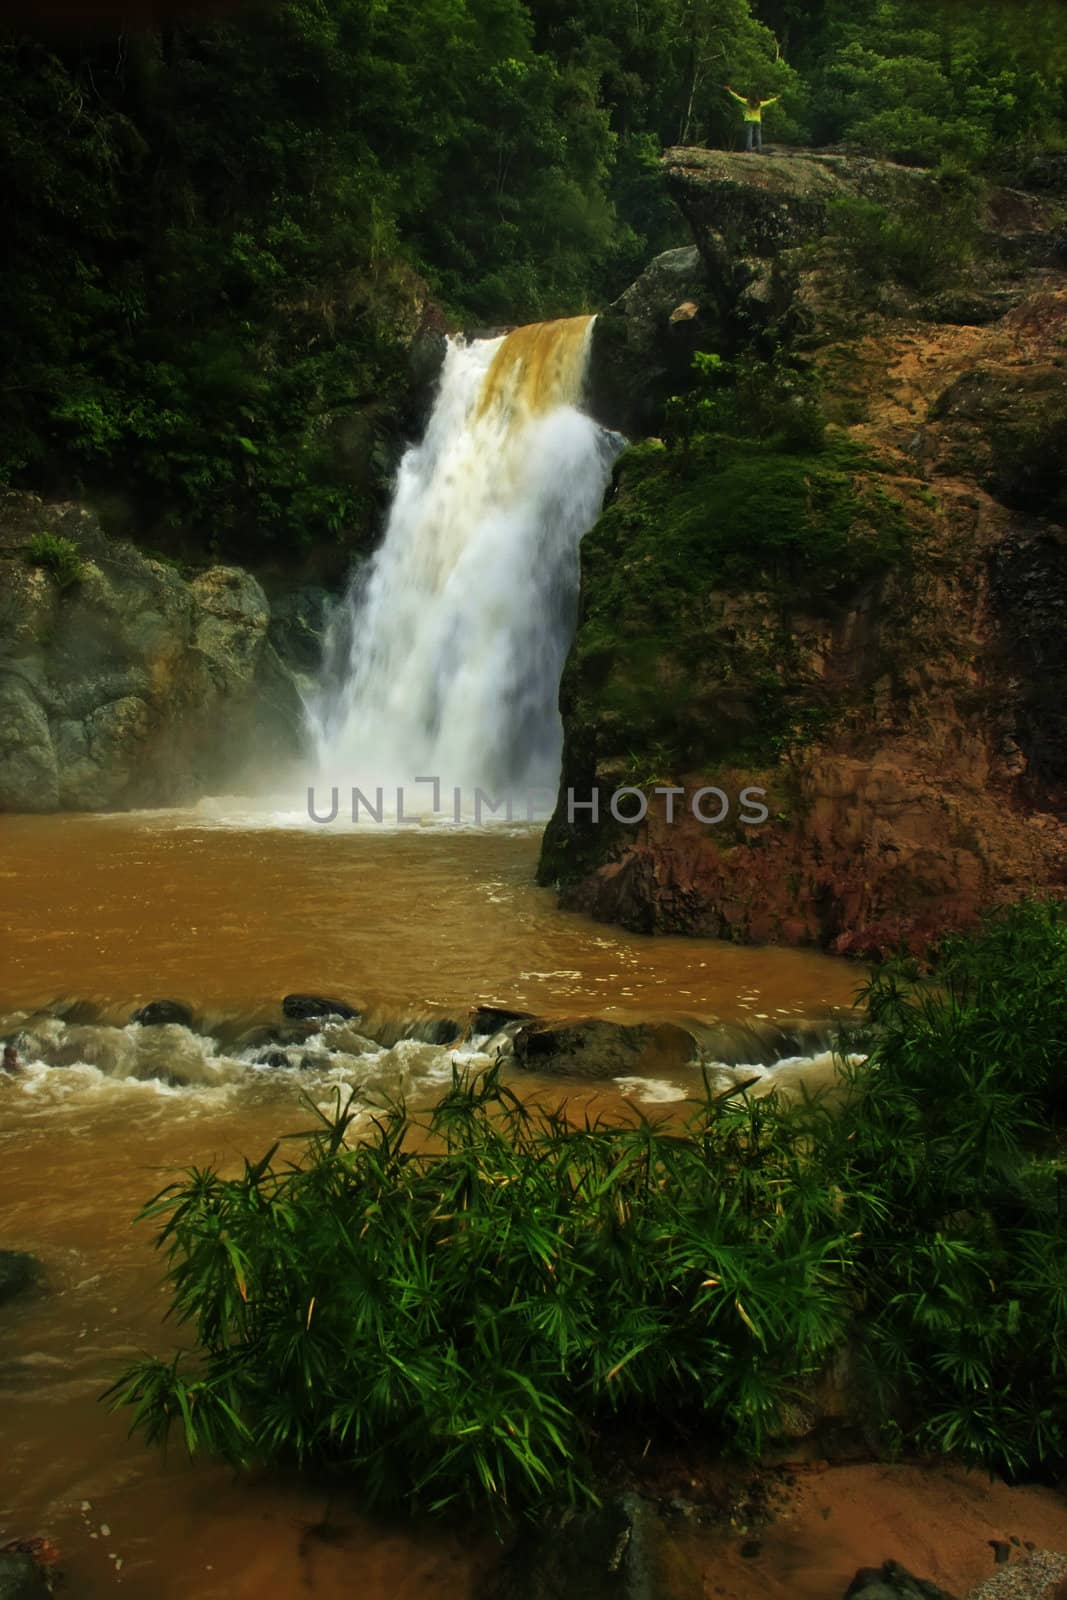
(437, 1030)
(262, 1036)
(621, 1552)
(160, 1013)
(308, 1007)
(21, 1578)
(596, 1049)
(388, 1031)
(490, 1019)
(18, 1271)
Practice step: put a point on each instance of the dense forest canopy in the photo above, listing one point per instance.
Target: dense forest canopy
(221, 233)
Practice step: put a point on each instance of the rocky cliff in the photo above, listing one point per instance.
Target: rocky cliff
(840, 575)
(124, 682)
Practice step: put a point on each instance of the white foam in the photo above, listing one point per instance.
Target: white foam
(652, 1091)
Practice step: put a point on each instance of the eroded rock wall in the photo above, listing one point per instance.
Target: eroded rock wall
(869, 625)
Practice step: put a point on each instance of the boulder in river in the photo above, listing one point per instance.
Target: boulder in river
(490, 1019)
(592, 1048)
(309, 1007)
(18, 1271)
(623, 1551)
(161, 1013)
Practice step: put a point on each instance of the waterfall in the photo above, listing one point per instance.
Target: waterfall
(452, 639)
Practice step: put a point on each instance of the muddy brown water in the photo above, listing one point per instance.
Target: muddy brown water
(124, 910)
(229, 918)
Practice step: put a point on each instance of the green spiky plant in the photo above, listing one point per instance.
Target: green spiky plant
(450, 1325)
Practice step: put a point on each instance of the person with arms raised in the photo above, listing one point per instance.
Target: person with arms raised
(754, 108)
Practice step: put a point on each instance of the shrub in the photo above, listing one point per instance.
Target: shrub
(966, 1334)
(757, 397)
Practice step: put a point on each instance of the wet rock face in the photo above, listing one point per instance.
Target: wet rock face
(1029, 584)
(121, 683)
(298, 624)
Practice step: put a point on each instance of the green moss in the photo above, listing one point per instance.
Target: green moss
(734, 512)
(669, 665)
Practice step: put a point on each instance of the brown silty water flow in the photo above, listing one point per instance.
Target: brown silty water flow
(422, 923)
(537, 367)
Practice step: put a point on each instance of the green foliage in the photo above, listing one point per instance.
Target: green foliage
(220, 238)
(58, 556)
(969, 1276)
(999, 1007)
(737, 513)
(915, 81)
(662, 65)
(452, 1321)
(749, 515)
(749, 497)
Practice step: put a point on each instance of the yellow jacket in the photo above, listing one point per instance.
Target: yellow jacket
(752, 113)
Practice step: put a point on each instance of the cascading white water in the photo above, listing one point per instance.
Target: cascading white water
(454, 637)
